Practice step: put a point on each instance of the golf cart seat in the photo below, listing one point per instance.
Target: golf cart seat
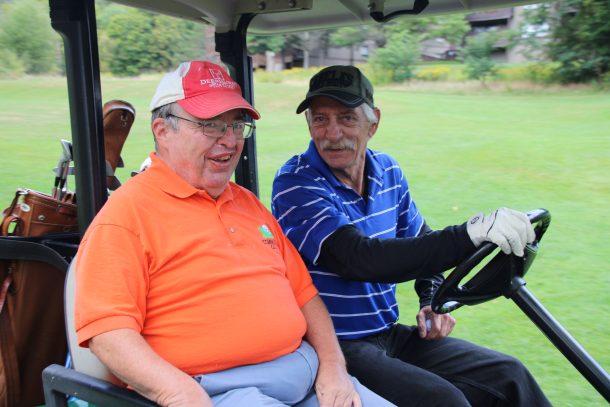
(89, 379)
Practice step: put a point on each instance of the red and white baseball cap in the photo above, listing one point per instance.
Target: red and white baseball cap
(203, 89)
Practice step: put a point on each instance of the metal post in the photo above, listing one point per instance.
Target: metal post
(233, 52)
(563, 341)
(74, 20)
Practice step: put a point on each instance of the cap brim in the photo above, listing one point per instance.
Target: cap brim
(346, 99)
(208, 106)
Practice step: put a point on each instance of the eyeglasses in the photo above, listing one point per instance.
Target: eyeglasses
(217, 128)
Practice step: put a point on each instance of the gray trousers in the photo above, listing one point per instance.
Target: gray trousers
(285, 381)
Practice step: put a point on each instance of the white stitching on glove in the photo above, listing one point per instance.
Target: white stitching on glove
(509, 229)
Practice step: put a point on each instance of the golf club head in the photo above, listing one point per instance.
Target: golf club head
(64, 157)
(67, 149)
(63, 169)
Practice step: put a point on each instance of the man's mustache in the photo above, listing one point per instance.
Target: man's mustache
(338, 145)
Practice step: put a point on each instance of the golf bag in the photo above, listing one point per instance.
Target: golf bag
(33, 213)
(32, 328)
(118, 119)
(38, 238)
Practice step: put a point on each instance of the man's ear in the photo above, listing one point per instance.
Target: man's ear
(307, 116)
(375, 126)
(161, 131)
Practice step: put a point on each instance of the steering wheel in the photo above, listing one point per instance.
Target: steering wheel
(502, 275)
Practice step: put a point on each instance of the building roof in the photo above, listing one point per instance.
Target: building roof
(502, 14)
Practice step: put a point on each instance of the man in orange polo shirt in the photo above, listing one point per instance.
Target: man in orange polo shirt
(187, 289)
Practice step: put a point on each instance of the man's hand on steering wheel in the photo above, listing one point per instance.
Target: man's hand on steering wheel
(508, 229)
(439, 325)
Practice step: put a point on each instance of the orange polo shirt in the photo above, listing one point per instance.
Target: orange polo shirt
(210, 284)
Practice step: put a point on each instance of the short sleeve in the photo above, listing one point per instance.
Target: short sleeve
(110, 282)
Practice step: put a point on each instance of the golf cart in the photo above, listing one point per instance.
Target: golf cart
(75, 21)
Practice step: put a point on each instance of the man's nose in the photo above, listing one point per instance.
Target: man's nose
(333, 130)
(228, 139)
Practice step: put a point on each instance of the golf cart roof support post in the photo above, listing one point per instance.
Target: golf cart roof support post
(563, 341)
(234, 52)
(74, 20)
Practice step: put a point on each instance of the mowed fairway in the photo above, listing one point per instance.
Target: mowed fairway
(462, 153)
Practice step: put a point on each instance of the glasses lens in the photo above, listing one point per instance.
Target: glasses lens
(218, 128)
(213, 128)
(247, 129)
(238, 129)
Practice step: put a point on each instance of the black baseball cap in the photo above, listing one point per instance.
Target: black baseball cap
(344, 83)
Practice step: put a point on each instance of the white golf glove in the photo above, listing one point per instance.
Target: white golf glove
(510, 230)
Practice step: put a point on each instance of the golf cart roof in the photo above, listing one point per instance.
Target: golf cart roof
(279, 16)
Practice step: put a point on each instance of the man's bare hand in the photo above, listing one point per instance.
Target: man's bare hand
(334, 387)
(440, 325)
(132, 360)
(191, 395)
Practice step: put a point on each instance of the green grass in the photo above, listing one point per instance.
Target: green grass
(462, 152)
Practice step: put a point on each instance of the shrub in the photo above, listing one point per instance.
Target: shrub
(604, 82)
(10, 64)
(398, 57)
(263, 76)
(25, 30)
(433, 73)
(477, 56)
(513, 73)
(298, 73)
(544, 72)
(379, 76)
(540, 73)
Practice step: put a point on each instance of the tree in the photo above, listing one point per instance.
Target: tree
(268, 45)
(400, 42)
(27, 33)
(106, 45)
(579, 34)
(130, 33)
(348, 37)
(10, 64)
(477, 56)
(451, 28)
(308, 42)
(259, 44)
(175, 41)
(141, 41)
(399, 50)
(399, 55)
(581, 38)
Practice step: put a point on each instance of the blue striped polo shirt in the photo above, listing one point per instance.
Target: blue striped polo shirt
(310, 204)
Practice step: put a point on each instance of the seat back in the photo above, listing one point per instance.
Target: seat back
(83, 359)
(32, 329)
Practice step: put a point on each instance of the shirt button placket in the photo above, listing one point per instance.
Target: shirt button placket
(231, 229)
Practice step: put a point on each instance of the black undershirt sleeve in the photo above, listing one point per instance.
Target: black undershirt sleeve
(354, 256)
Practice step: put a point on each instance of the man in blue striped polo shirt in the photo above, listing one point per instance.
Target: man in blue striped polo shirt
(349, 212)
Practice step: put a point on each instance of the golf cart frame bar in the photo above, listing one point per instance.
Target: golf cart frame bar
(234, 53)
(75, 21)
